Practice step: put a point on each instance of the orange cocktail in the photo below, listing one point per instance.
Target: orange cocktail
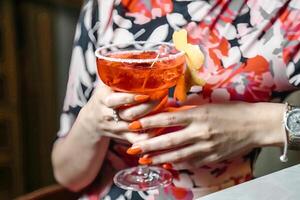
(141, 68)
(148, 70)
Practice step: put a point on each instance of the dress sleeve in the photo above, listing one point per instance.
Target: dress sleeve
(291, 51)
(82, 71)
(293, 71)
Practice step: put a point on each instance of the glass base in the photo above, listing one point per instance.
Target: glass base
(142, 178)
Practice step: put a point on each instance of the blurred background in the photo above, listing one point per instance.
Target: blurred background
(35, 48)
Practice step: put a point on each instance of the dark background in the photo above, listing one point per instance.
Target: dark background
(35, 48)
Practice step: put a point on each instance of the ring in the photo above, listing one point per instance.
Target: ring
(116, 116)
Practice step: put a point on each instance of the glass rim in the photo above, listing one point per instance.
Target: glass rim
(126, 60)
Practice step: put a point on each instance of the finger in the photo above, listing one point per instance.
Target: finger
(195, 150)
(165, 120)
(166, 141)
(106, 114)
(134, 137)
(101, 91)
(126, 136)
(177, 109)
(213, 158)
(161, 120)
(112, 135)
(117, 99)
(112, 126)
(137, 111)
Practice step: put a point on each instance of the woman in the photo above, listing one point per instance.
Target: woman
(251, 57)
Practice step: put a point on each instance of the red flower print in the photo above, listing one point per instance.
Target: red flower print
(136, 6)
(166, 6)
(179, 193)
(159, 8)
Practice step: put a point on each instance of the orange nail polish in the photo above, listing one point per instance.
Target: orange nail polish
(135, 125)
(145, 160)
(134, 150)
(161, 105)
(141, 98)
(167, 166)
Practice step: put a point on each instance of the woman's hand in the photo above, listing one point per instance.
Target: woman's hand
(78, 157)
(96, 118)
(211, 132)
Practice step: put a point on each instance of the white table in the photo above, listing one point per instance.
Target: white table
(281, 185)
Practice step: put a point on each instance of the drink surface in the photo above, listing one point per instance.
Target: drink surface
(140, 77)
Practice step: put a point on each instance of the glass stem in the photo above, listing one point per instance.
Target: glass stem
(143, 170)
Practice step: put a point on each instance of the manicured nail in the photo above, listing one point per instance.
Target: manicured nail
(134, 150)
(145, 160)
(141, 98)
(161, 105)
(134, 126)
(167, 166)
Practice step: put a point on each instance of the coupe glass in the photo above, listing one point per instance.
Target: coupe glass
(141, 68)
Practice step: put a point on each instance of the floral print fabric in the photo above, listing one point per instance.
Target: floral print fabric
(251, 54)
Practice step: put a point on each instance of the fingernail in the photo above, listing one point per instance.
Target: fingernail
(145, 160)
(167, 166)
(134, 150)
(141, 98)
(161, 105)
(134, 126)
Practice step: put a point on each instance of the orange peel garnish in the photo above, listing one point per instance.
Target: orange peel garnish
(194, 61)
(195, 57)
(180, 39)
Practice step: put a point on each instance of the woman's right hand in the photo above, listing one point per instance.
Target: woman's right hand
(78, 157)
(96, 117)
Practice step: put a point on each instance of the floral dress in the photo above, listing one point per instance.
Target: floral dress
(251, 52)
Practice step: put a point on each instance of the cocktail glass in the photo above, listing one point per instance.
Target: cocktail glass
(141, 68)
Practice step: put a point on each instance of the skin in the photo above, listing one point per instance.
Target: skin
(77, 158)
(211, 133)
(214, 132)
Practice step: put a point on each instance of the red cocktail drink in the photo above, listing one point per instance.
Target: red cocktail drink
(141, 68)
(140, 77)
(150, 71)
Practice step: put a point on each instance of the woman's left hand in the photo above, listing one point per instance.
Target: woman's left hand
(211, 132)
